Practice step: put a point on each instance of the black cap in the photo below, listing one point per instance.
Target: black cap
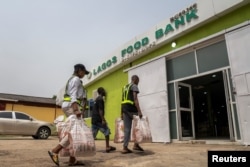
(81, 67)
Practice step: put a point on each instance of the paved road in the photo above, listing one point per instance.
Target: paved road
(27, 152)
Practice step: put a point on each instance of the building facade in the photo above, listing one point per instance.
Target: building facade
(194, 74)
(41, 108)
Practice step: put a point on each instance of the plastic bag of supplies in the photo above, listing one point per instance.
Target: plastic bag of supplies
(140, 131)
(80, 137)
(119, 131)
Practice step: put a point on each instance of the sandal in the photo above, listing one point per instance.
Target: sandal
(126, 151)
(54, 157)
(77, 163)
(137, 148)
(110, 149)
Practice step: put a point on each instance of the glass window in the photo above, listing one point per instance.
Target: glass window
(171, 96)
(181, 66)
(184, 96)
(186, 124)
(22, 116)
(6, 115)
(212, 57)
(173, 125)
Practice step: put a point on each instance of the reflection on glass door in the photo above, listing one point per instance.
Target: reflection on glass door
(185, 111)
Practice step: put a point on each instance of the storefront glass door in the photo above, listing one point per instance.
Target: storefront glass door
(185, 112)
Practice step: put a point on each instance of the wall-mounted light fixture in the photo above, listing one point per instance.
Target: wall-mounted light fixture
(173, 44)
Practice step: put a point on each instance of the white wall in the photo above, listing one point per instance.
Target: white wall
(153, 97)
(238, 45)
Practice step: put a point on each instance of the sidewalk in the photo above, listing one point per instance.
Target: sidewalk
(27, 152)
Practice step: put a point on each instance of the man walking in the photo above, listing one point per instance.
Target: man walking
(130, 106)
(71, 105)
(98, 120)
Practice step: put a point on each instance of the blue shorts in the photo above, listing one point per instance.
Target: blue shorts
(103, 128)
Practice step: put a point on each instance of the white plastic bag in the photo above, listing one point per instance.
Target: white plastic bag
(119, 131)
(80, 136)
(140, 130)
(83, 143)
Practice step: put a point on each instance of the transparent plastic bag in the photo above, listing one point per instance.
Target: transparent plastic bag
(119, 131)
(140, 130)
(82, 143)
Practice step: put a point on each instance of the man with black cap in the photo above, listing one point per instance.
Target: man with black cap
(74, 94)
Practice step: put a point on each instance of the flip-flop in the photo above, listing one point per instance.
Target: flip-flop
(138, 148)
(110, 149)
(127, 151)
(77, 163)
(54, 157)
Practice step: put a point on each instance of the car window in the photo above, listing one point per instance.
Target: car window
(5, 114)
(22, 116)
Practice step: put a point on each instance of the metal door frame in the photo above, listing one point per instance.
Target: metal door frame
(179, 109)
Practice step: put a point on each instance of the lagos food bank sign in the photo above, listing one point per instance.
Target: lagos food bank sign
(178, 20)
(146, 43)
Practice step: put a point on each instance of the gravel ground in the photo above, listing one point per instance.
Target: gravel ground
(27, 152)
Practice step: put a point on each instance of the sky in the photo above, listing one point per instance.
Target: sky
(42, 40)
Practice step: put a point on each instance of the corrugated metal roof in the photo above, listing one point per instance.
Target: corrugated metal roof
(22, 98)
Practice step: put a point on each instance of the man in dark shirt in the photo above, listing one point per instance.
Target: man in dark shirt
(130, 106)
(98, 120)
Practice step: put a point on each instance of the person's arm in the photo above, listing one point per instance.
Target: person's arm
(121, 107)
(74, 105)
(102, 116)
(73, 88)
(84, 105)
(136, 101)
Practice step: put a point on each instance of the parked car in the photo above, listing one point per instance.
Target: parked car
(19, 123)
